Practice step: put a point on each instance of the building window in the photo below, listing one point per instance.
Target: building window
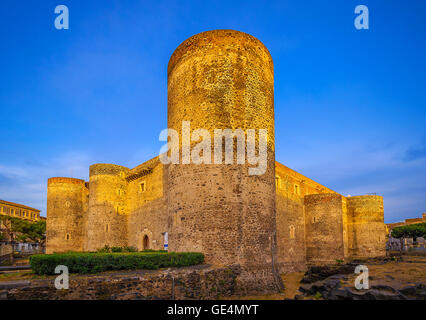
(142, 187)
(107, 227)
(292, 232)
(297, 189)
(67, 237)
(277, 182)
(314, 219)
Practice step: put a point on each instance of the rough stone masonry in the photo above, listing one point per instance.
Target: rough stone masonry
(277, 222)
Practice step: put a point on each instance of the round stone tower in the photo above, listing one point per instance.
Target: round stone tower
(367, 231)
(324, 228)
(67, 200)
(224, 79)
(107, 216)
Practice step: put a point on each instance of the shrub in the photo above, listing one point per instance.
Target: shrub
(118, 249)
(98, 262)
(130, 249)
(104, 249)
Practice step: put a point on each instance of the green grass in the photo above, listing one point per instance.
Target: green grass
(99, 262)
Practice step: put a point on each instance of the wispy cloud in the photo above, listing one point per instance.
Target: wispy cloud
(417, 152)
(27, 183)
(357, 170)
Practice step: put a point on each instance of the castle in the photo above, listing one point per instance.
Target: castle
(268, 224)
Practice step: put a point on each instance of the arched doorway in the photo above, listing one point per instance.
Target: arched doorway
(145, 242)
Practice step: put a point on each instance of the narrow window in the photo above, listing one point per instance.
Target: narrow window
(296, 189)
(292, 231)
(68, 237)
(142, 187)
(277, 182)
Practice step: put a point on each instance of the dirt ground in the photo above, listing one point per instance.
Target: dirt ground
(409, 270)
(398, 273)
(401, 272)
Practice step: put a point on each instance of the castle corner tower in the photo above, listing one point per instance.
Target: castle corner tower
(224, 79)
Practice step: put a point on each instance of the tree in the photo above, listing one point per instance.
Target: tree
(24, 229)
(411, 231)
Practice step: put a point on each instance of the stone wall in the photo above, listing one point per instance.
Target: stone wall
(67, 200)
(324, 228)
(6, 253)
(290, 217)
(220, 79)
(198, 282)
(107, 217)
(223, 79)
(367, 233)
(291, 187)
(148, 219)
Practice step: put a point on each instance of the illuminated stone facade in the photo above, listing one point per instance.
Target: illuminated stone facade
(277, 222)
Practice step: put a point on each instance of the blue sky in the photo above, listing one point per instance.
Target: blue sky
(350, 105)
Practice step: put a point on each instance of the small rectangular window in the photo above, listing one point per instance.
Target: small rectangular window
(292, 232)
(296, 189)
(277, 182)
(142, 187)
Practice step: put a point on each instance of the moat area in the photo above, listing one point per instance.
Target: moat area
(392, 278)
(398, 278)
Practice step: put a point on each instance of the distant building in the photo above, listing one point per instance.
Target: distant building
(21, 211)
